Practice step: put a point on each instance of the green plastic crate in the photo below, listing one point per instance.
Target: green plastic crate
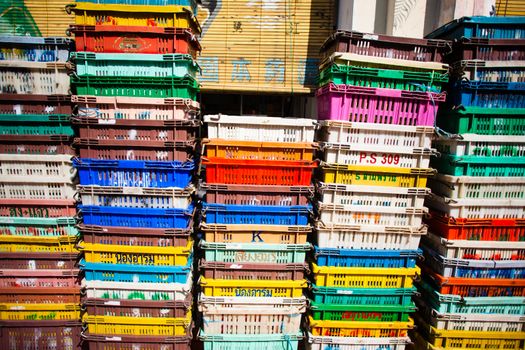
(383, 78)
(366, 313)
(479, 165)
(136, 86)
(38, 227)
(35, 125)
(362, 296)
(483, 121)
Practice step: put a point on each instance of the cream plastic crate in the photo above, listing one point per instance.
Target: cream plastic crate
(485, 145)
(377, 196)
(36, 191)
(479, 250)
(478, 209)
(330, 214)
(479, 322)
(370, 237)
(355, 343)
(459, 187)
(38, 78)
(24, 168)
(263, 129)
(492, 71)
(252, 303)
(136, 197)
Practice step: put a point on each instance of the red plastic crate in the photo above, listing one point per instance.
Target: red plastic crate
(235, 271)
(258, 172)
(55, 335)
(40, 295)
(129, 39)
(137, 308)
(488, 50)
(38, 261)
(101, 342)
(37, 208)
(55, 144)
(35, 279)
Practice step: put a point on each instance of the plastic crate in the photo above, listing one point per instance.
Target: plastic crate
(155, 16)
(363, 296)
(237, 233)
(135, 65)
(253, 288)
(481, 27)
(484, 121)
(386, 46)
(261, 129)
(35, 125)
(257, 194)
(30, 244)
(37, 261)
(40, 295)
(37, 227)
(101, 342)
(28, 105)
(250, 342)
(126, 39)
(366, 257)
(255, 214)
(36, 279)
(22, 191)
(473, 208)
(136, 236)
(382, 78)
(134, 173)
(112, 291)
(39, 78)
(116, 110)
(38, 208)
(363, 313)
(258, 172)
(137, 308)
(360, 329)
(193, 4)
(369, 237)
(493, 146)
(129, 255)
(34, 312)
(59, 335)
(488, 50)
(377, 105)
(39, 168)
(252, 271)
(55, 144)
(491, 71)
(468, 187)
(480, 166)
(488, 94)
(258, 150)
(374, 175)
(144, 326)
(34, 49)
(254, 252)
(353, 343)
(161, 87)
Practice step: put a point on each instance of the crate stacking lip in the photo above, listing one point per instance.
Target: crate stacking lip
(259, 128)
(238, 233)
(257, 194)
(101, 342)
(159, 87)
(488, 94)
(38, 125)
(491, 71)
(252, 271)
(251, 341)
(37, 261)
(366, 257)
(51, 295)
(29, 168)
(136, 197)
(32, 49)
(59, 334)
(254, 252)
(133, 39)
(135, 65)
(363, 313)
(25, 279)
(488, 50)
(369, 237)
(214, 213)
(481, 27)
(136, 273)
(37, 227)
(134, 173)
(52, 145)
(39, 78)
(252, 288)
(359, 277)
(386, 46)
(22, 191)
(377, 105)
(137, 308)
(473, 208)
(360, 329)
(375, 175)
(129, 255)
(258, 172)
(34, 312)
(31, 244)
(394, 343)
(363, 296)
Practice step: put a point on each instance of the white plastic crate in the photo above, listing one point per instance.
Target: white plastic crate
(263, 129)
(479, 250)
(354, 343)
(478, 209)
(335, 214)
(491, 71)
(253, 303)
(378, 237)
(35, 191)
(136, 197)
(39, 78)
(29, 168)
(480, 322)
(484, 145)
(377, 196)
(459, 187)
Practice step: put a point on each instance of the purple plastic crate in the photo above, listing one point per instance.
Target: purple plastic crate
(377, 105)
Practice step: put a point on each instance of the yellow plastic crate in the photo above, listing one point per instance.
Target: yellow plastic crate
(33, 244)
(259, 150)
(130, 255)
(364, 277)
(375, 175)
(39, 312)
(246, 288)
(87, 13)
(138, 326)
(359, 328)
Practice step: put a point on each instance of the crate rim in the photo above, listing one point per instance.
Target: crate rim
(414, 191)
(375, 271)
(478, 244)
(473, 20)
(389, 253)
(314, 339)
(357, 147)
(202, 298)
(421, 230)
(257, 120)
(103, 267)
(254, 246)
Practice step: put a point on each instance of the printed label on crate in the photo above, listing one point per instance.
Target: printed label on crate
(29, 212)
(141, 259)
(375, 177)
(261, 257)
(245, 292)
(131, 43)
(371, 158)
(361, 316)
(35, 316)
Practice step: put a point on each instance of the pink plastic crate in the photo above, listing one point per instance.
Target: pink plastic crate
(377, 105)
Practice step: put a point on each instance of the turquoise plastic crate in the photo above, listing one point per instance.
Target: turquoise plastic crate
(250, 342)
(482, 27)
(255, 252)
(479, 165)
(135, 65)
(362, 296)
(35, 125)
(38, 227)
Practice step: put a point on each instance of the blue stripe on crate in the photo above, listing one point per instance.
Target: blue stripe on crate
(366, 257)
(256, 214)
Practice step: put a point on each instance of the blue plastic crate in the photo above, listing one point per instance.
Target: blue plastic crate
(35, 49)
(362, 296)
(191, 3)
(366, 257)
(133, 173)
(136, 217)
(488, 94)
(256, 214)
(135, 273)
(481, 27)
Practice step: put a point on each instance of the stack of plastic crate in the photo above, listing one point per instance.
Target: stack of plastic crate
(377, 117)
(473, 285)
(254, 229)
(39, 289)
(135, 83)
